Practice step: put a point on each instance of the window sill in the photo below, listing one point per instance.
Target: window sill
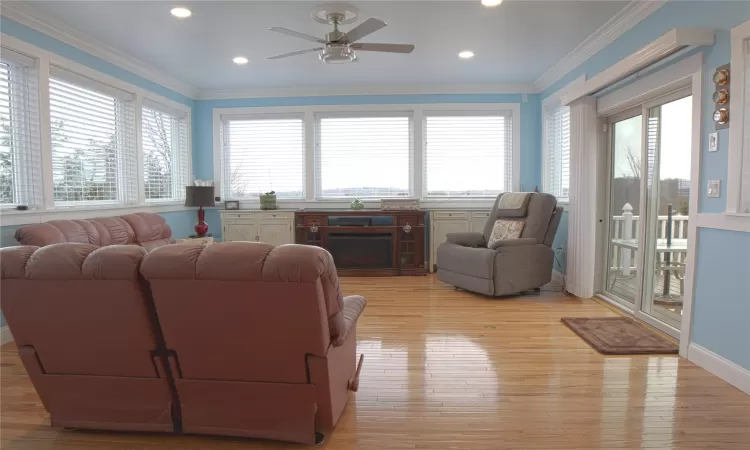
(14, 217)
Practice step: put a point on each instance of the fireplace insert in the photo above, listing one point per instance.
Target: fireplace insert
(361, 250)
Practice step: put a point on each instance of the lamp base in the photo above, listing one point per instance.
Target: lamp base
(201, 228)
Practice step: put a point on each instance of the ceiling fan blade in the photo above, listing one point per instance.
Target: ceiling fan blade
(295, 53)
(390, 48)
(367, 27)
(297, 34)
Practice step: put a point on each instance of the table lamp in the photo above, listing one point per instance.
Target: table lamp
(200, 196)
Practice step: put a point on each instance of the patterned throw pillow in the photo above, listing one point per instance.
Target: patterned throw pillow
(505, 229)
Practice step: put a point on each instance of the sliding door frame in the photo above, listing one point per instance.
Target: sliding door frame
(661, 81)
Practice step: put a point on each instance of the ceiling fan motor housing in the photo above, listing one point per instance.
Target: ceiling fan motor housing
(337, 54)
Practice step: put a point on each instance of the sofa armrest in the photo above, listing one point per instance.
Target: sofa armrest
(353, 307)
(513, 243)
(466, 239)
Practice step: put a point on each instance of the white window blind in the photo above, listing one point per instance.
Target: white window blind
(363, 156)
(557, 152)
(93, 141)
(20, 149)
(263, 154)
(468, 155)
(745, 189)
(165, 154)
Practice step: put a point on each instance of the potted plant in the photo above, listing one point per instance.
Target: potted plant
(268, 200)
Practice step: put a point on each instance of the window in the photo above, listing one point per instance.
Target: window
(557, 152)
(165, 155)
(20, 155)
(263, 154)
(93, 144)
(468, 155)
(363, 155)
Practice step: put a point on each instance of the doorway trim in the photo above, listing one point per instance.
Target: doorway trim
(686, 72)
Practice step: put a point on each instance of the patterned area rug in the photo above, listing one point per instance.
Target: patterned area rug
(619, 336)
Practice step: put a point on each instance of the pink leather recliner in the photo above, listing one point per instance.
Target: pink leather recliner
(263, 342)
(145, 229)
(86, 335)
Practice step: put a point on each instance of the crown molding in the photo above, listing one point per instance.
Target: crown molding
(632, 14)
(22, 13)
(512, 88)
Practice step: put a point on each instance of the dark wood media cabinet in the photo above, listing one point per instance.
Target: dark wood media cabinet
(367, 248)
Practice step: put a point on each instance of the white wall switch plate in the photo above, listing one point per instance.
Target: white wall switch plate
(714, 188)
(713, 142)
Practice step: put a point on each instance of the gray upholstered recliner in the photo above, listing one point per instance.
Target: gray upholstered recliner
(512, 265)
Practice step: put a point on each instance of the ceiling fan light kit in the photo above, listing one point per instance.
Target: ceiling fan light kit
(340, 47)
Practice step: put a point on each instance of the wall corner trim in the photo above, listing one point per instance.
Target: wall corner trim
(723, 368)
(724, 221)
(627, 18)
(29, 16)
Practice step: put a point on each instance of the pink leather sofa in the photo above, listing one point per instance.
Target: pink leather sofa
(145, 229)
(85, 335)
(234, 338)
(264, 343)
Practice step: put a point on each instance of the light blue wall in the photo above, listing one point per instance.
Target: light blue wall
(24, 33)
(721, 313)
(721, 318)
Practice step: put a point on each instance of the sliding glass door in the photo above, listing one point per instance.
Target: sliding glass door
(649, 197)
(624, 200)
(666, 209)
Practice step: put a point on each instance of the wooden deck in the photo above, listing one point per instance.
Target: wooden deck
(446, 369)
(626, 288)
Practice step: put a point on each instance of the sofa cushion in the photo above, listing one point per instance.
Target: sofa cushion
(504, 230)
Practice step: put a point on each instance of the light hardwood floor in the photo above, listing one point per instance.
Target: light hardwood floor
(445, 369)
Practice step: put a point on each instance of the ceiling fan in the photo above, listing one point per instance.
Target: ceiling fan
(340, 47)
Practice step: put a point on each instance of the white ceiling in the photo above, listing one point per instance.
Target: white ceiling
(514, 43)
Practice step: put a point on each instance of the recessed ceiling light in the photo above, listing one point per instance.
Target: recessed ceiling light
(491, 2)
(181, 13)
(466, 54)
(240, 60)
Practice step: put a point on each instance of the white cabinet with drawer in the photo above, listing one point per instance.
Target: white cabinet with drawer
(272, 227)
(443, 222)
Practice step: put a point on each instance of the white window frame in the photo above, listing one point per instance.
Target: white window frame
(417, 160)
(477, 112)
(737, 134)
(220, 176)
(183, 114)
(127, 187)
(32, 194)
(318, 194)
(48, 211)
(549, 106)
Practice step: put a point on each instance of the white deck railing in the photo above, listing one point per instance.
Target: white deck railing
(627, 226)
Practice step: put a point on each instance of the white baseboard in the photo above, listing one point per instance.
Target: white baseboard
(5, 335)
(723, 368)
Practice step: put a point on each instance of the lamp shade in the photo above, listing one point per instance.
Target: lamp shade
(199, 196)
